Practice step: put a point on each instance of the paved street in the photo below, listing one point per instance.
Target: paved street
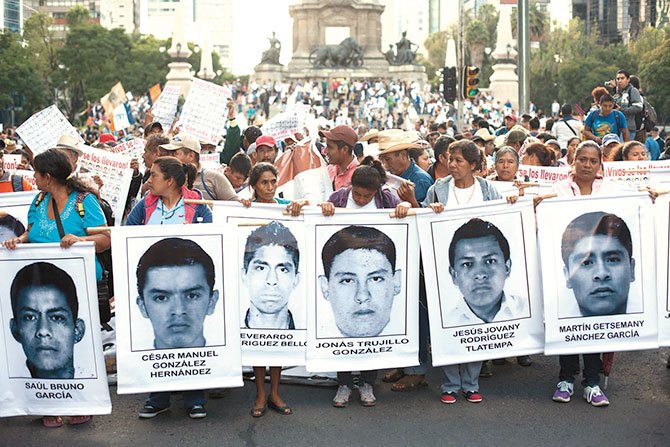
(517, 410)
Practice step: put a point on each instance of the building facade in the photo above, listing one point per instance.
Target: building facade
(11, 15)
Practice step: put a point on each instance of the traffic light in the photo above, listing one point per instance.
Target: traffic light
(470, 82)
(449, 83)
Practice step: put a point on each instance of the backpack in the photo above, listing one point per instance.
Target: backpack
(17, 183)
(649, 118)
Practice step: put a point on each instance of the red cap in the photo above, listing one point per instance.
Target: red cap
(341, 133)
(265, 140)
(106, 137)
(511, 116)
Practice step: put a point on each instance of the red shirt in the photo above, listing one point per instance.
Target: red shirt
(342, 179)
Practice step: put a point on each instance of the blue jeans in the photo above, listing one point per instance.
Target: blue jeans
(162, 399)
(461, 377)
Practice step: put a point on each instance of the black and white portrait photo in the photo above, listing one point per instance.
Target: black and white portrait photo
(171, 308)
(51, 332)
(45, 319)
(482, 277)
(175, 292)
(176, 301)
(270, 275)
(14, 208)
(599, 273)
(481, 269)
(480, 265)
(49, 320)
(361, 283)
(598, 265)
(10, 227)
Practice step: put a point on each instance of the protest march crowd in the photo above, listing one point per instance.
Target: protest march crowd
(384, 145)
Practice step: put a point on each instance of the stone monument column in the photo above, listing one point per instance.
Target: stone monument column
(317, 23)
(180, 69)
(504, 81)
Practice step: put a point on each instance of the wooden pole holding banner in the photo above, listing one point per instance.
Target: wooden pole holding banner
(199, 202)
(98, 230)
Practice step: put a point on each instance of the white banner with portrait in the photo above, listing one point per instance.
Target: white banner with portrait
(363, 291)
(265, 255)
(52, 361)
(176, 330)
(14, 208)
(486, 298)
(598, 263)
(662, 208)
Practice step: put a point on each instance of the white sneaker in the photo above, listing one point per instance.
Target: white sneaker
(341, 398)
(367, 395)
(563, 391)
(595, 396)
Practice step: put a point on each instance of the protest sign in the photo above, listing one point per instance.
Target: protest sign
(303, 174)
(16, 205)
(132, 148)
(115, 172)
(632, 174)
(545, 175)
(115, 97)
(11, 162)
(662, 209)
(265, 256)
(210, 161)
(64, 373)
(42, 130)
(176, 329)
(154, 93)
(285, 124)
(363, 291)
(486, 299)
(119, 118)
(598, 273)
(165, 108)
(205, 110)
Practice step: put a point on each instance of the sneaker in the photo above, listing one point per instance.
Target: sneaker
(448, 398)
(149, 411)
(197, 412)
(473, 396)
(563, 391)
(595, 396)
(367, 395)
(341, 398)
(524, 360)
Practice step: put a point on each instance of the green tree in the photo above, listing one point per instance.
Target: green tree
(43, 46)
(653, 50)
(93, 60)
(145, 66)
(77, 15)
(22, 91)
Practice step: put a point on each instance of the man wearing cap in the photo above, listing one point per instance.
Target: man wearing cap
(340, 142)
(211, 183)
(154, 128)
(510, 121)
(266, 150)
(611, 143)
(393, 153)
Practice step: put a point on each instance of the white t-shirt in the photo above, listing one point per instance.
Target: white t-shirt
(351, 204)
(563, 132)
(464, 196)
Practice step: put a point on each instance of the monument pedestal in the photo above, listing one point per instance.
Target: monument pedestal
(268, 72)
(179, 75)
(408, 73)
(505, 84)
